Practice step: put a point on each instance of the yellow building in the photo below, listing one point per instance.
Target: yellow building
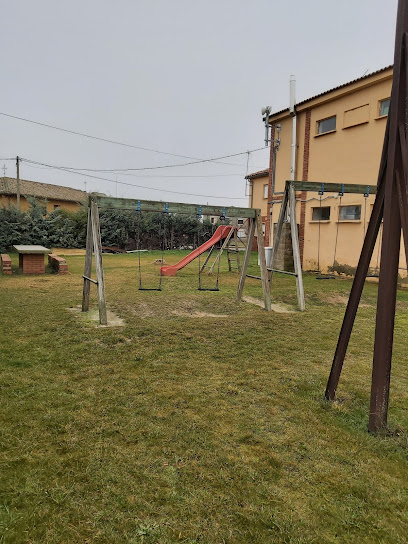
(339, 138)
(53, 196)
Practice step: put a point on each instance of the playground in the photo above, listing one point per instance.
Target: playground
(194, 419)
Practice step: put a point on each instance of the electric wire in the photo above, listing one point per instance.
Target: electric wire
(118, 170)
(144, 176)
(124, 144)
(71, 171)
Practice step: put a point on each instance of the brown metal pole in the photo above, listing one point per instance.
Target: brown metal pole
(390, 251)
(355, 294)
(360, 276)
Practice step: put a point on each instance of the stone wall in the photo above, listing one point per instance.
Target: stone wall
(284, 257)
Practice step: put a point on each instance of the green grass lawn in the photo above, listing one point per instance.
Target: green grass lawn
(178, 427)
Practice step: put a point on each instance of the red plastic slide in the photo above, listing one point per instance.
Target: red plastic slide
(221, 233)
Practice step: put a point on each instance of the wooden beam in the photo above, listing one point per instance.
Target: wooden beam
(315, 186)
(250, 239)
(296, 249)
(88, 264)
(278, 234)
(262, 262)
(96, 235)
(172, 207)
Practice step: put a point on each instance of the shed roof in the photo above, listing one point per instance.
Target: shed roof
(259, 174)
(8, 186)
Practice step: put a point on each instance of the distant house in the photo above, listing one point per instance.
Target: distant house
(53, 196)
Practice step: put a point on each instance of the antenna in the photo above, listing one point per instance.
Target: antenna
(292, 95)
(4, 170)
(266, 111)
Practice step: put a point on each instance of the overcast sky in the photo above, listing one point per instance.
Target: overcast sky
(187, 77)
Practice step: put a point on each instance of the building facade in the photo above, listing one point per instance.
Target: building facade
(53, 196)
(339, 138)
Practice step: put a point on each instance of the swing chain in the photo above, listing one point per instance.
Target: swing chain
(138, 215)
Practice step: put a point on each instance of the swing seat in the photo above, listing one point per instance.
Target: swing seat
(150, 289)
(208, 289)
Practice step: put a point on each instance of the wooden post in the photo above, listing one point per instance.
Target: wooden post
(262, 262)
(250, 239)
(96, 236)
(277, 237)
(296, 249)
(88, 264)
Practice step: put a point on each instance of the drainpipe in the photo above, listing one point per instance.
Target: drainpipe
(292, 111)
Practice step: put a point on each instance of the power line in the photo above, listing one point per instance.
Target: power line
(73, 171)
(142, 168)
(123, 144)
(144, 176)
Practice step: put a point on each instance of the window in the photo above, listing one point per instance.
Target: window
(326, 125)
(266, 191)
(240, 221)
(384, 107)
(321, 213)
(350, 213)
(212, 220)
(56, 206)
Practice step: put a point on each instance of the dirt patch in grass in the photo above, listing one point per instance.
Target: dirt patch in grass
(338, 298)
(278, 308)
(196, 313)
(92, 317)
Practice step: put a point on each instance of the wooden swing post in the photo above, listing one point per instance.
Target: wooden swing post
(255, 223)
(94, 245)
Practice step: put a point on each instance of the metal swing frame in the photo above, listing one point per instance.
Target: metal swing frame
(94, 245)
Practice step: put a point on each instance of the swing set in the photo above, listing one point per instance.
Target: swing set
(225, 234)
(288, 208)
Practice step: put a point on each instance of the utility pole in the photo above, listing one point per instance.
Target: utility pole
(18, 182)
